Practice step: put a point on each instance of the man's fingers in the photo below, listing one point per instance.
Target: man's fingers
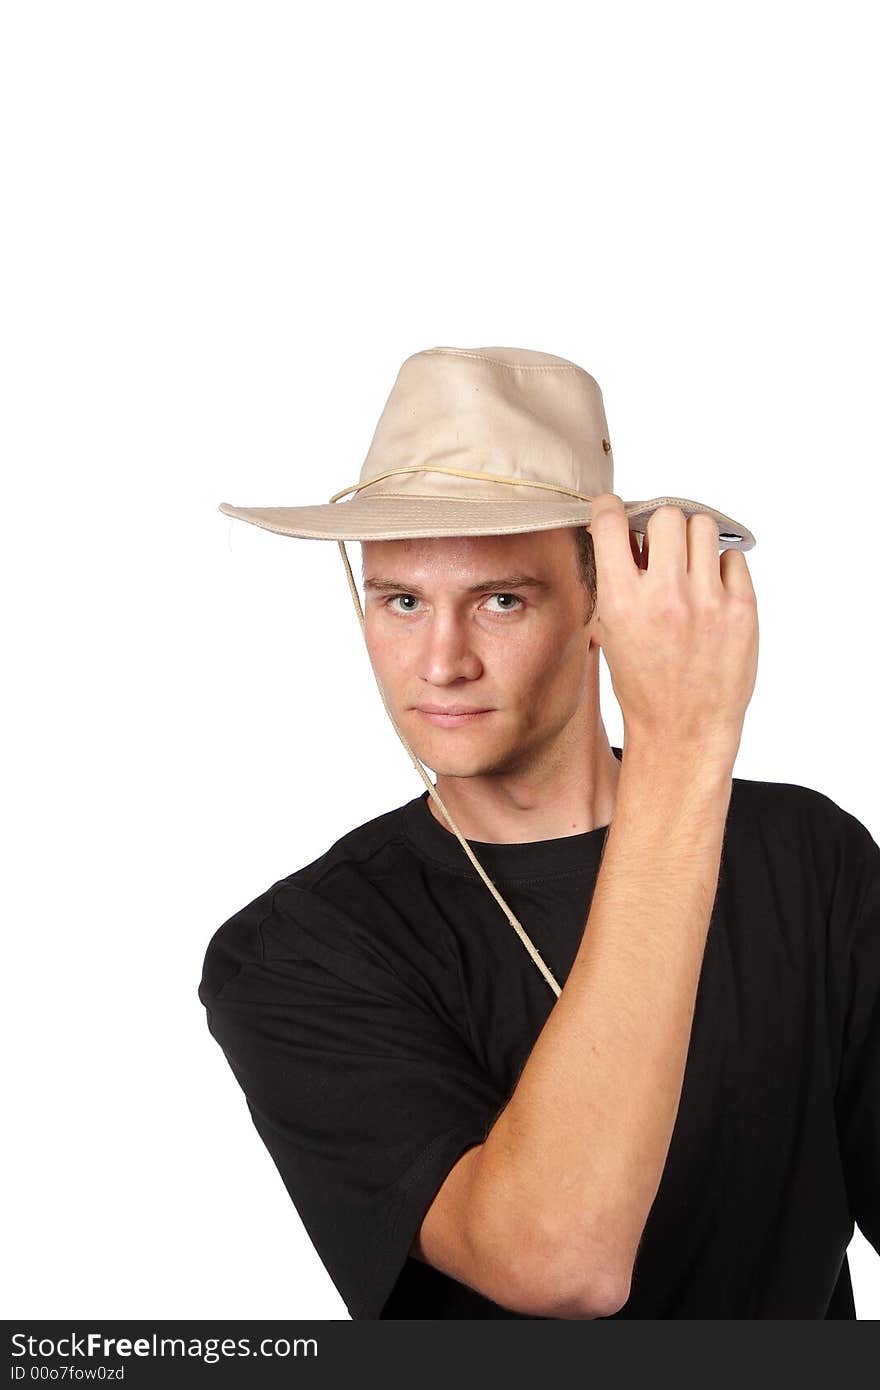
(702, 543)
(735, 574)
(616, 563)
(666, 534)
(683, 544)
(681, 647)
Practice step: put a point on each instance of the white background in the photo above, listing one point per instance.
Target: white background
(225, 226)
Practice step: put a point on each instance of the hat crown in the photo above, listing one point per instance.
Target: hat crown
(505, 411)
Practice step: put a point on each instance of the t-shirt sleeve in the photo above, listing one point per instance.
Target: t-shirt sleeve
(364, 1095)
(857, 1102)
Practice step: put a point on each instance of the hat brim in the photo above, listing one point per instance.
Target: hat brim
(390, 519)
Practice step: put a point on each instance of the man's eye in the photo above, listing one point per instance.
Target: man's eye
(392, 598)
(515, 598)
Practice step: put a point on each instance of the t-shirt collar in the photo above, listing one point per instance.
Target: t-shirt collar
(565, 854)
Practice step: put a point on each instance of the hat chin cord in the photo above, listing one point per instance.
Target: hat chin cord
(529, 945)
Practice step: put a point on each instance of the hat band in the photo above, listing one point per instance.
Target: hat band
(460, 473)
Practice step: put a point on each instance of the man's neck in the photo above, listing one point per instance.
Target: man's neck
(509, 810)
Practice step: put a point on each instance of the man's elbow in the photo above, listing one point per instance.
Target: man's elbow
(595, 1301)
(545, 1282)
(566, 1297)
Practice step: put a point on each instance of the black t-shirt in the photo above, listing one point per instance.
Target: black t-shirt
(377, 1009)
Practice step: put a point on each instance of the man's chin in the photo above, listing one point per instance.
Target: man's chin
(475, 765)
(444, 766)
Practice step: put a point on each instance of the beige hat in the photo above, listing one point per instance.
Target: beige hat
(479, 442)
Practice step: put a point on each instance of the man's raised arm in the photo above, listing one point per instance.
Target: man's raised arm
(559, 1192)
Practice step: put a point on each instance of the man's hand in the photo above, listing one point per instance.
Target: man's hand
(678, 625)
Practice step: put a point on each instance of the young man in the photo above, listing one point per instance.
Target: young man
(687, 1122)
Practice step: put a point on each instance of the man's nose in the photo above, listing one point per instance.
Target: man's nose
(448, 648)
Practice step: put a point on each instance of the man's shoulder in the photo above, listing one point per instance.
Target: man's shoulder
(355, 848)
(320, 898)
(792, 815)
(753, 796)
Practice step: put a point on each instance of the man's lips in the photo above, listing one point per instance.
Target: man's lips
(449, 717)
(453, 709)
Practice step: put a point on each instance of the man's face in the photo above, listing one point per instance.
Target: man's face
(450, 626)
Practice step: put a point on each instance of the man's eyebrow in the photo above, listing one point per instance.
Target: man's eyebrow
(514, 581)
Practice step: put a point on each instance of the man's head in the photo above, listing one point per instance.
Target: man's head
(438, 633)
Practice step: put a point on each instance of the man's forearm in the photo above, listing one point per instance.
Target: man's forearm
(571, 1167)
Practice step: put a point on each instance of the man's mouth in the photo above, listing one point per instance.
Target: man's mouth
(450, 719)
